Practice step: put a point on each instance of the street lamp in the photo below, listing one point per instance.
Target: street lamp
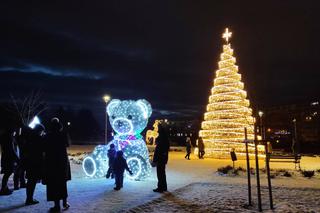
(260, 113)
(106, 99)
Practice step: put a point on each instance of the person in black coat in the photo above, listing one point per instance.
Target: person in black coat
(188, 148)
(57, 165)
(9, 159)
(111, 156)
(119, 165)
(34, 160)
(20, 171)
(201, 148)
(160, 158)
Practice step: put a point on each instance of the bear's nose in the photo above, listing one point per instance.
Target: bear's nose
(123, 126)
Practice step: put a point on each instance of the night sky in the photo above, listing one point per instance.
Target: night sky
(164, 51)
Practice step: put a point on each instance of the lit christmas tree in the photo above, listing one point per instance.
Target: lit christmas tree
(228, 111)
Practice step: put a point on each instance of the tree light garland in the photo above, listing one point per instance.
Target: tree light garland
(228, 110)
(128, 118)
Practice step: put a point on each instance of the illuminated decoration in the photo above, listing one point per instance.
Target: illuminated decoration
(128, 119)
(228, 110)
(34, 122)
(226, 35)
(89, 166)
(151, 135)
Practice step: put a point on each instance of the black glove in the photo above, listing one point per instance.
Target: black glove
(130, 172)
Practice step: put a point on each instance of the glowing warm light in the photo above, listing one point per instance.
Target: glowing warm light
(260, 114)
(128, 119)
(226, 35)
(106, 98)
(228, 110)
(34, 122)
(152, 135)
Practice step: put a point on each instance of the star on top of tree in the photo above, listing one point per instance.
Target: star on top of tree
(226, 35)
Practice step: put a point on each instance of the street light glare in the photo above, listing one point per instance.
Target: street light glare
(260, 113)
(106, 98)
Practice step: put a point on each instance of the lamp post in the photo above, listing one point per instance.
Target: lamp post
(260, 113)
(294, 141)
(106, 99)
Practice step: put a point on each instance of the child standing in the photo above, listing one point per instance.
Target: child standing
(119, 165)
(111, 156)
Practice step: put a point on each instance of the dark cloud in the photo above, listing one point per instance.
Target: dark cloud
(163, 51)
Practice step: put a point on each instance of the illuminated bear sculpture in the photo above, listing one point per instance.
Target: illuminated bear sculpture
(128, 119)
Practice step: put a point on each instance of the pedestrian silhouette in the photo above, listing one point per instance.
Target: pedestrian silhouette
(111, 156)
(119, 166)
(188, 148)
(34, 160)
(160, 158)
(57, 165)
(9, 158)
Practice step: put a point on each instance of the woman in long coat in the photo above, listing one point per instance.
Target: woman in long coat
(57, 165)
(160, 158)
(34, 160)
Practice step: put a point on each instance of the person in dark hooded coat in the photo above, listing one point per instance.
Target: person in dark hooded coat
(119, 166)
(34, 161)
(57, 165)
(160, 158)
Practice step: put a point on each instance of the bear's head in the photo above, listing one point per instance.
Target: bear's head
(128, 117)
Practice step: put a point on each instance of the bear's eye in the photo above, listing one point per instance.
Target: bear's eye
(113, 117)
(129, 117)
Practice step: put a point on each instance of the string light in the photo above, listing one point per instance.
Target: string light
(128, 119)
(152, 135)
(228, 110)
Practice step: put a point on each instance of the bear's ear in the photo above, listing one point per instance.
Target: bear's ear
(112, 104)
(145, 106)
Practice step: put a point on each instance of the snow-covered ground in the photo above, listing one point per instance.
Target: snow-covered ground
(194, 186)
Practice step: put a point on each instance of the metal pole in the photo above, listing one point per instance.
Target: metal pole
(297, 151)
(260, 129)
(106, 131)
(248, 166)
(268, 176)
(257, 168)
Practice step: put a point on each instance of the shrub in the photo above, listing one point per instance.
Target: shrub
(252, 171)
(318, 170)
(287, 174)
(272, 176)
(225, 169)
(235, 172)
(241, 169)
(307, 173)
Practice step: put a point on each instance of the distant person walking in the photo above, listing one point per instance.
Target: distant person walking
(160, 158)
(188, 148)
(57, 165)
(34, 160)
(9, 158)
(111, 156)
(201, 148)
(119, 166)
